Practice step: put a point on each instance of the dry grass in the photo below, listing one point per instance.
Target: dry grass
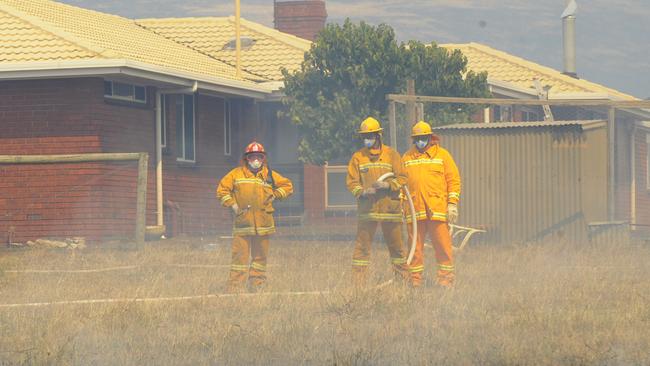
(546, 304)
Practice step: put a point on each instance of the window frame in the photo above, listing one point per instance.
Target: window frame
(133, 99)
(227, 128)
(335, 169)
(181, 149)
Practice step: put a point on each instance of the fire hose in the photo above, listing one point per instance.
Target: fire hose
(414, 221)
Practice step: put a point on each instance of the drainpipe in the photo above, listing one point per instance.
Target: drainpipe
(159, 159)
(159, 182)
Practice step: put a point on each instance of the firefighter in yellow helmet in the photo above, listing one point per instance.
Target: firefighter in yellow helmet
(378, 202)
(434, 183)
(249, 191)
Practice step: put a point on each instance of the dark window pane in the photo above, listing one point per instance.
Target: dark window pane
(189, 126)
(337, 191)
(122, 90)
(179, 127)
(227, 129)
(108, 88)
(140, 93)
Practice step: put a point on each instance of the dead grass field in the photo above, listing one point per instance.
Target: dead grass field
(545, 304)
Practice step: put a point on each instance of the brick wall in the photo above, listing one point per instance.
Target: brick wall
(314, 191)
(47, 117)
(97, 200)
(304, 19)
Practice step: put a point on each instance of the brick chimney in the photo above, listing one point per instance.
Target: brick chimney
(300, 18)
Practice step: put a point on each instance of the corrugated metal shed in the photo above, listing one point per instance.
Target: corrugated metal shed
(531, 181)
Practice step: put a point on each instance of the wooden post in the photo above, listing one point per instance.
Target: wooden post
(400, 98)
(70, 158)
(420, 112)
(611, 164)
(392, 119)
(141, 207)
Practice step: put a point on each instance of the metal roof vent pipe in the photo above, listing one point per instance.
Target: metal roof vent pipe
(569, 38)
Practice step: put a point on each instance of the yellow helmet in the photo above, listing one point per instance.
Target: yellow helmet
(421, 129)
(370, 125)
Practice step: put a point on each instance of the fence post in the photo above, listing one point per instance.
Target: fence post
(141, 207)
(411, 113)
(393, 124)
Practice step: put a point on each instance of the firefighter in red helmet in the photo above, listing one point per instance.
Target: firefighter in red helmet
(249, 191)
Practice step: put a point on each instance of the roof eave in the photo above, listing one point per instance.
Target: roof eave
(510, 90)
(104, 67)
(637, 112)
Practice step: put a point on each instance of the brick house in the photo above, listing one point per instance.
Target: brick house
(79, 81)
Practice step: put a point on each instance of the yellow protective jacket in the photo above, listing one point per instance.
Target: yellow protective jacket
(363, 170)
(433, 181)
(254, 195)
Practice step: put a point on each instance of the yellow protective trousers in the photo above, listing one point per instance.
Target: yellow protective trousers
(439, 233)
(241, 268)
(361, 258)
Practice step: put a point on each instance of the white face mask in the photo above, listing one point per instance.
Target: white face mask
(369, 142)
(255, 164)
(421, 144)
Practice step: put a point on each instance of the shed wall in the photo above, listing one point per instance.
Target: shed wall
(526, 184)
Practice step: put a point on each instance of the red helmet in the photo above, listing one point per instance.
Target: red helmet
(255, 147)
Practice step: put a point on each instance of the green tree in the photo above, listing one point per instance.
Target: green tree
(348, 72)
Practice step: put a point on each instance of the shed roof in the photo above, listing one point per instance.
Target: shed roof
(504, 125)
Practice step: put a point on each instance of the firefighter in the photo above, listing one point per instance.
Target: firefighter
(378, 202)
(249, 191)
(434, 183)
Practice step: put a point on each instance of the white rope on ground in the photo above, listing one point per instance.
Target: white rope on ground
(109, 269)
(159, 299)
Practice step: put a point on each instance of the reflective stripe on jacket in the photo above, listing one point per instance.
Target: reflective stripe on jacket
(363, 170)
(254, 195)
(433, 181)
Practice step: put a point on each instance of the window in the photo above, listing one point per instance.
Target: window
(528, 116)
(227, 128)
(163, 120)
(337, 196)
(502, 113)
(124, 91)
(185, 136)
